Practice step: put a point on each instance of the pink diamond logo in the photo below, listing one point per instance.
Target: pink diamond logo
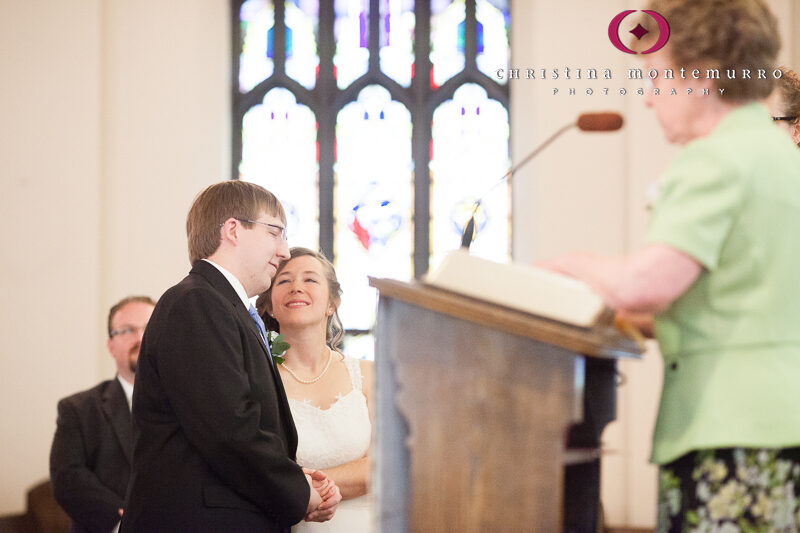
(639, 31)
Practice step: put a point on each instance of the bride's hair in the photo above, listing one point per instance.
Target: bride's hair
(334, 331)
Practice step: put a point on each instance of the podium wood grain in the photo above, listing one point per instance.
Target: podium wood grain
(472, 411)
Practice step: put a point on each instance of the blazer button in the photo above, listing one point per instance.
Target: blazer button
(673, 365)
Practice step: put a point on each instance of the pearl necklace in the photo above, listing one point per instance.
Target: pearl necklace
(314, 380)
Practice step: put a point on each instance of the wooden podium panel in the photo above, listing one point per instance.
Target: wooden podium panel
(473, 406)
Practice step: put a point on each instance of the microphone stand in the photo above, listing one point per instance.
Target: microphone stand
(469, 229)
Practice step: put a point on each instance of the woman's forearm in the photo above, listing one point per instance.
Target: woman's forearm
(351, 477)
(646, 281)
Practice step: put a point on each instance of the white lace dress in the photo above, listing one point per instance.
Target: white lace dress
(331, 437)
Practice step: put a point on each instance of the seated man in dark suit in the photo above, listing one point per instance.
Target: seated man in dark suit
(91, 453)
(214, 440)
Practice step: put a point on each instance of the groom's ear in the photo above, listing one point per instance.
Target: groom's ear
(229, 230)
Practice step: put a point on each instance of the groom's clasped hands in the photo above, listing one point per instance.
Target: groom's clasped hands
(327, 498)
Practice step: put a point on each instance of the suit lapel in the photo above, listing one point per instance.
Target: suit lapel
(244, 314)
(288, 421)
(223, 286)
(115, 407)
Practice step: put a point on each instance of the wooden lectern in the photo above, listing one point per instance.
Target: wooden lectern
(487, 419)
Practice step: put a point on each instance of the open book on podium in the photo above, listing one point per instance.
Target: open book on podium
(522, 287)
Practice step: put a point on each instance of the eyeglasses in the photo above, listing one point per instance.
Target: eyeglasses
(125, 331)
(787, 119)
(281, 229)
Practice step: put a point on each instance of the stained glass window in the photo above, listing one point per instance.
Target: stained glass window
(377, 123)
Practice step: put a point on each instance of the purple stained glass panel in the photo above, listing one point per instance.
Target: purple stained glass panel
(397, 40)
(350, 29)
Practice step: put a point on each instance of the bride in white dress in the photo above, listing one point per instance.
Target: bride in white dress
(328, 392)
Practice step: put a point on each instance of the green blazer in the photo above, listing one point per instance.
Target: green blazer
(731, 342)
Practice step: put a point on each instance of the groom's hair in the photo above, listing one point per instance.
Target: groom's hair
(219, 202)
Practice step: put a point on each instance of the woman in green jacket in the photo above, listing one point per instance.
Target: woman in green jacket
(719, 269)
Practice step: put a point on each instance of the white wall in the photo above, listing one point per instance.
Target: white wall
(49, 151)
(115, 113)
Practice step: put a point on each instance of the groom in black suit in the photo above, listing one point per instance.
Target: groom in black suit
(214, 440)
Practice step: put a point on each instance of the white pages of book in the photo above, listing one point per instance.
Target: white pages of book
(523, 287)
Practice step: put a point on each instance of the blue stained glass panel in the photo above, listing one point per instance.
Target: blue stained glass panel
(350, 29)
(447, 39)
(279, 152)
(470, 155)
(257, 19)
(373, 205)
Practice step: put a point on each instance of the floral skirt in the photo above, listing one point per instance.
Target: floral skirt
(731, 489)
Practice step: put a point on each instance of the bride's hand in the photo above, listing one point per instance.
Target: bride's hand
(330, 494)
(319, 479)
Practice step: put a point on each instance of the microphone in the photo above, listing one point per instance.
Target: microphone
(604, 121)
(608, 121)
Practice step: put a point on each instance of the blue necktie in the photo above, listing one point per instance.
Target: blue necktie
(259, 323)
(263, 330)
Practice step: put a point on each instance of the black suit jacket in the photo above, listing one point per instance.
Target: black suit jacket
(214, 440)
(90, 456)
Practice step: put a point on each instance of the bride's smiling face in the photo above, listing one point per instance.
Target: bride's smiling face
(300, 294)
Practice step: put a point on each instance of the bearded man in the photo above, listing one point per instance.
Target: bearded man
(90, 459)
